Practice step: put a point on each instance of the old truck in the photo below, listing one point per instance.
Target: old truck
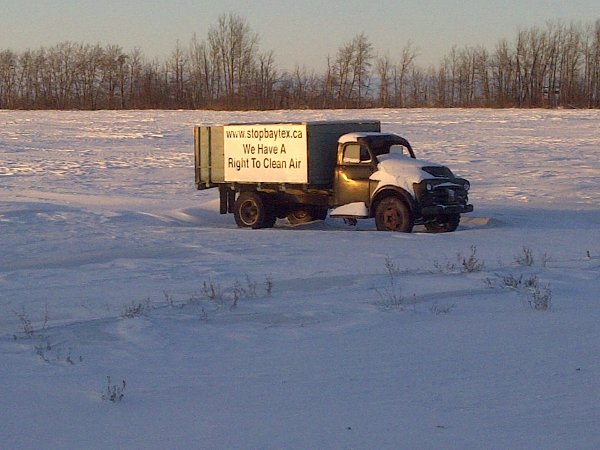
(303, 171)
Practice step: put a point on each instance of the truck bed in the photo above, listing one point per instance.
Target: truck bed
(298, 153)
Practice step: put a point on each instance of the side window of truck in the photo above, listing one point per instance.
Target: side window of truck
(355, 154)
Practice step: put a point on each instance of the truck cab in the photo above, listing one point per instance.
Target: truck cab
(377, 175)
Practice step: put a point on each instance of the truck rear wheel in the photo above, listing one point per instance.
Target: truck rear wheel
(443, 224)
(306, 214)
(392, 214)
(251, 210)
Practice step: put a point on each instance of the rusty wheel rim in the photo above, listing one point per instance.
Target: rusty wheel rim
(392, 219)
(249, 212)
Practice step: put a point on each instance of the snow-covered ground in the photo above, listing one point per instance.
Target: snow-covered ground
(314, 336)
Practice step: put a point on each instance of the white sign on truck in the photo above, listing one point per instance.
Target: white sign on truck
(272, 153)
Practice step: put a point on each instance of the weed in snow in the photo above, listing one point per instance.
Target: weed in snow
(136, 309)
(268, 284)
(42, 349)
(448, 267)
(438, 308)
(113, 392)
(525, 258)
(42, 345)
(391, 267)
(509, 281)
(471, 263)
(211, 290)
(50, 354)
(203, 315)
(539, 296)
(240, 290)
(27, 324)
(169, 300)
(250, 288)
(390, 295)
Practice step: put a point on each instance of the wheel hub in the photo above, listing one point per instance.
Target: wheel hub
(249, 212)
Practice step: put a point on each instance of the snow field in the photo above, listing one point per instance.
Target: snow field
(340, 337)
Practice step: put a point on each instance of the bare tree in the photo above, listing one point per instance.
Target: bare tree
(405, 66)
(384, 74)
(570, 66)
(8, 77)
(264, 80)
(592, 66)
(61, 70)
(199, 95)
(503, 78)
(176, 67)
(330, 84)
(351, 71)
(342, 75)
(136, 64)
(362, 62)
(235, 46)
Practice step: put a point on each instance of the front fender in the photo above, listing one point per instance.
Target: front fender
(395, 191)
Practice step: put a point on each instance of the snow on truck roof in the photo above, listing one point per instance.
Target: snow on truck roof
(356, 136)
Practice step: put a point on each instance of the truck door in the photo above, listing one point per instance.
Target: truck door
(351, 181)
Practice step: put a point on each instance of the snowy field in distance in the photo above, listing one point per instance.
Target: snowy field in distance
(317, 336)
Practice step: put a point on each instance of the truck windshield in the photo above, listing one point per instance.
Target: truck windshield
(394, 149)
(398, 146)
(389, 143)
(397, 149)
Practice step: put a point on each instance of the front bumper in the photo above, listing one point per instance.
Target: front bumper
(437, 210)
(442, 196)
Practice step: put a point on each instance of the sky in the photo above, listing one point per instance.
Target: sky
(299, 32)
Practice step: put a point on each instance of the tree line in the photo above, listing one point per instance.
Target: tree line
(553, 66)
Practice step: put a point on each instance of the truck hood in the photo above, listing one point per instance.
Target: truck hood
(401, 171)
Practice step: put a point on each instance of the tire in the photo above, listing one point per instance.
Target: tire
(320, 213)
(443, 224)
(306, 214)
(251, 210)
(392, 214)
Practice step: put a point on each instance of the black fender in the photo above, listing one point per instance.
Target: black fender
(393, 191)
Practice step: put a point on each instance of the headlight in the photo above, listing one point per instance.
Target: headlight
(429, 187)
(467, 186)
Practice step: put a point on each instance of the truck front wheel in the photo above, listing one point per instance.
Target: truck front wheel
(392, 214)
(251, 210)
